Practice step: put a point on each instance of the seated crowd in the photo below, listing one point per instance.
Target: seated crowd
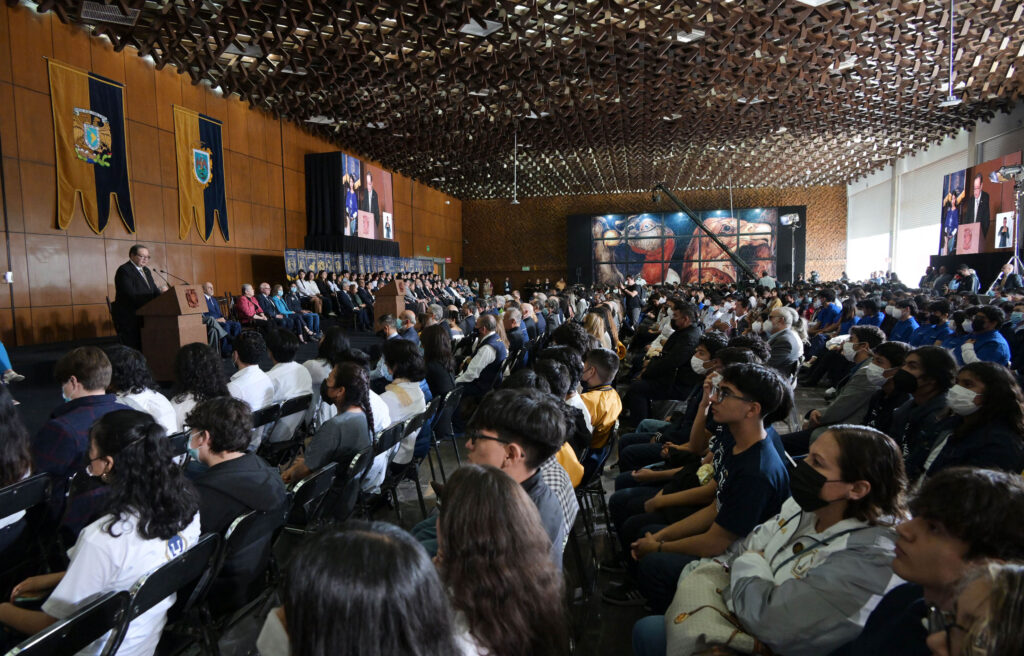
(880, 520)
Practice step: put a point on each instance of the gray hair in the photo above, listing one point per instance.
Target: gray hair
(246, 286)
(514, 314)
(437, 311)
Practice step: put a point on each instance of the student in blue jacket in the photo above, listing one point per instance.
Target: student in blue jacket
(985, 344)
(937, 326)
(906, 324)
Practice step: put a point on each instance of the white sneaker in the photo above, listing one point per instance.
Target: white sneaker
(12, 376)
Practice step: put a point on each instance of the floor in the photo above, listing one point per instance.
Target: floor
(599, 629)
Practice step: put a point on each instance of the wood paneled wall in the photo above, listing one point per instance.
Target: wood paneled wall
(61, 277)
(503, 238)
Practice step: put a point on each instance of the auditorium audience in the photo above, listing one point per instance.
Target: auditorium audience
(437, 355)
(132, 382)
(986, 616)
(403, 395)
(332, 344)
(152, 515)
(230, 328)
(487, 521)
(248, 310)
(199, 376)
(292, 319)
(290, 379)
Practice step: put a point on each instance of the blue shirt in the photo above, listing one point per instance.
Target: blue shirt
(829, 314)
(989, 346)
(927, 334)
(844, 326)
(752, 485)
(872, 321)
(903, 330)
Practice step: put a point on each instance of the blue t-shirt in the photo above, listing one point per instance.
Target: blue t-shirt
(829, 314)
(903, 330)
(751, 485)
(844, 326)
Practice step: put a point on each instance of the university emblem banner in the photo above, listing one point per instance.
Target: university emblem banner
(202, 198)
(89, 135)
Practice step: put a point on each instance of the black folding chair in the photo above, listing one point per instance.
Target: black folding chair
(181, 572)
(77, 632)
(443, 431)
(309, 494)
(282, 451)
(266, 415)
(343, 500)
(179, 443)
(24, 543)
(591, 489)
(409, 472)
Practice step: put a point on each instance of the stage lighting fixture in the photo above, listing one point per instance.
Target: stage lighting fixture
(1007, 174)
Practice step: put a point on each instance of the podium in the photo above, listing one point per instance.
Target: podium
(170, 321)
(390, 299)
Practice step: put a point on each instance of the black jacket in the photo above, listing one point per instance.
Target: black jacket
(675, 357)
(131, 290)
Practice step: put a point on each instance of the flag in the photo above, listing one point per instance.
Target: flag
(89, 133)
(201, 193)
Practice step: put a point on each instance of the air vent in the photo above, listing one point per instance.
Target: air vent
(97, 11)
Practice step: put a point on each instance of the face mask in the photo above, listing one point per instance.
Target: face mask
(697, 365)
(849, 352)
(193, 453)
(951, 324)
(890, 310)
(388, 376)
(978, 325)
(904, 382)
(88, 470)
(1016, 317)
(295, 289)
(280, 292)
(817, 303)
(859, 313)
(756, 326)
(875, 374)
(805, 485)
(961, 400)
(967, 324)
(67, 399)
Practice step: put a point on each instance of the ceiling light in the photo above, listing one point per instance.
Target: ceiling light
(689, 37)
(535, 115)
(752, 101)
(481, 28)
(951, 101)
(320, 119)
(288, 70)
(815, 3)
(846, 64)
(672, 117)
(377, 125)
(481, 93)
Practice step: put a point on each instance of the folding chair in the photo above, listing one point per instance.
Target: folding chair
(266, 415)
(24, 541)
(443, 430)
(180, 572)
(179, 443)
(77, 632)
(591, 488)
(410, 472)
(343, 500)
(281, 451)
(308, 496)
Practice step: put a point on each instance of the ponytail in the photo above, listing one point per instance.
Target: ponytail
(356, 382)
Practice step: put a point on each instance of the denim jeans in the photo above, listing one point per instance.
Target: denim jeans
(649, 636)
(658, 576)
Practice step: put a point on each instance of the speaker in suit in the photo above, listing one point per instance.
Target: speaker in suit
(134, 287)
(371, 204)
(975, 208)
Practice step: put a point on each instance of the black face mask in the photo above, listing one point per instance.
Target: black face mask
(933, 319)
(805, 485)
(904, 382)
(978, 325)
(324, 397)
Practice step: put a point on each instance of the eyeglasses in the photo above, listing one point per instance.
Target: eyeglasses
(473, 437)
(720, 394)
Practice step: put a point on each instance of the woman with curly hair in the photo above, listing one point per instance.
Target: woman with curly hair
(152, 516)
(15, 461)
(199, 377)
(132, 382)
(486, 522)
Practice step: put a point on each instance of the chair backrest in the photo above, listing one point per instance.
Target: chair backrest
(309, 493)
(77, 632)
(388, 437)
(347, 485)
(298, 404)
(183, 570)
(443, 423)
(179, 442)
(266, 415)
(23, 495)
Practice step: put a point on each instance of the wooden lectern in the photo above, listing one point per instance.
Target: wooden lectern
(172, 320)
(390, 299)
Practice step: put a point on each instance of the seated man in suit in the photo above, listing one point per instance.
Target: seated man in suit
(270, 309)
(134, 287)
(516, 333)
(228, 330)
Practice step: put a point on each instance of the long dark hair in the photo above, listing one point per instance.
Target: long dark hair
(333, 344)
(198, 371)
(866, 454)
(129, 370)
(487, 521)
(1002, 402)
(437, 346)
(15, 458)
(366, 590)
(144, 480)
(356, 382)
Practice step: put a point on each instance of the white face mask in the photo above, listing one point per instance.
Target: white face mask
(859, 313)
(890, 310)
(697, 365)
(848, 351)
(966, 325)
(875, 374)
(961, 400)
(951, 324)
(817, 303)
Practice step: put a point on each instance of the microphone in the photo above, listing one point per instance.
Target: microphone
(168, 273)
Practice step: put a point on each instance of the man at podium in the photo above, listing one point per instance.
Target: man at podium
(134, 287)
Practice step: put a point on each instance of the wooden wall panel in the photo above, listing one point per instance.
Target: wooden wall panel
(63, 276)
(504, 237)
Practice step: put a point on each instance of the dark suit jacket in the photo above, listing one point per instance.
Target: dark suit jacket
(267, 305)
(371, 203)
(983, 212)
(132, 291)
(675, 357)
(213, 308)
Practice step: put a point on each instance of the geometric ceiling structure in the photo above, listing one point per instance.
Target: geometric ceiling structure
(602, 96)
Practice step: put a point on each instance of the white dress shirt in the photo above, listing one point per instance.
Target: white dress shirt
(252, 386)
(290, 380)
(154, 404)
(483, 357)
